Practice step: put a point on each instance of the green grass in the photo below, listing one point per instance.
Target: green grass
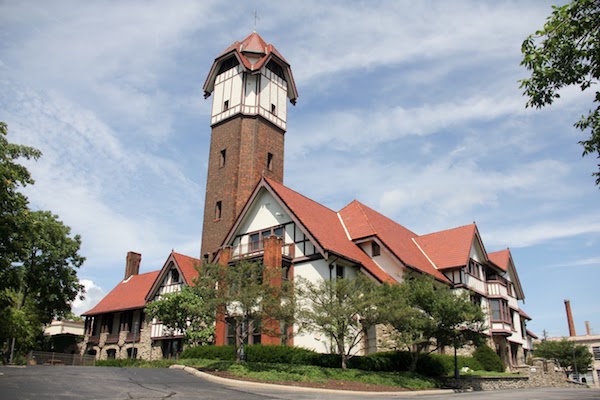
(308, 373)
(474, 374)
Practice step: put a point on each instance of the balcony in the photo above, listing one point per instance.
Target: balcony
(256, 249)
(112, 338)
(474, 283)
(497, 289)
(95, 339)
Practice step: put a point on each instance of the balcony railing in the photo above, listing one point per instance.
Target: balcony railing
(257, 249)
(112, 338)
(497, 289)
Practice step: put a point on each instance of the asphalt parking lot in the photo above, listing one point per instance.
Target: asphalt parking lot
(67, 382)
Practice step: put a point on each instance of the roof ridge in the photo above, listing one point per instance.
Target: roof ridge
(449, 229)
(425, 254)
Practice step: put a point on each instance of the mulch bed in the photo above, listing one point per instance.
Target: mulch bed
(331, 384)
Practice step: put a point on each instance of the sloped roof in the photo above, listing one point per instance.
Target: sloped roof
(449, 248)
(127, 295)
(252, 46)
(500, 258)
(187, 265)
(362, 221)
(326, 228)
(524, 314)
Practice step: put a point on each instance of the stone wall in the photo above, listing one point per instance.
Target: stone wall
(542, 373)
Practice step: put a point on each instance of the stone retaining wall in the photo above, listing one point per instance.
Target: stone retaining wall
(542, 373)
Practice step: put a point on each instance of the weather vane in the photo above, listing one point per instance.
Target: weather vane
(256, 17)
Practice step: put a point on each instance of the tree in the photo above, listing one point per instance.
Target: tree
(248, 296)
(185, 312)
(341, 309)
(428, 315)
(13, 204)
(38, 256)
(567, 354)
(567, 52)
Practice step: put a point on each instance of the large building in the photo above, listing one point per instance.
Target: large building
(249, 214)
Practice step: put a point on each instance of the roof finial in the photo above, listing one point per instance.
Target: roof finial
(256, 17)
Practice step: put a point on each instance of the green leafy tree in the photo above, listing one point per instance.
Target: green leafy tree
(341, 309)
(565, 52)
(428, 315)
(13, 204)
(566, 354)
(38, 257)
(247, 295)
(185, 312)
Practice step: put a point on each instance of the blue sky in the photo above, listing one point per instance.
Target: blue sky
(413, 108)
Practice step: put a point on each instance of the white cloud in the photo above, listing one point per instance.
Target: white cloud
(93, 295)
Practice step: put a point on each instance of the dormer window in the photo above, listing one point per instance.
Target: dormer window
(375, 249)
(276, 69)
(228, 64)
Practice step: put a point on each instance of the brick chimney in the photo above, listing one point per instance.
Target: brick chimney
(132, 264)
(588, 330)
(570, 318)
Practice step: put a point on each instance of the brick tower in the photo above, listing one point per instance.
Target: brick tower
(250, 83)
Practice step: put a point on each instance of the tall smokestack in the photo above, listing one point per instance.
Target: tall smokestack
(588, 331)
(132, 264)
(570, 318)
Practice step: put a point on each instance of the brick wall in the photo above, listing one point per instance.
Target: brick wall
(247, 141)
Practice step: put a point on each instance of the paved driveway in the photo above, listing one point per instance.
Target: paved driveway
(63, 382)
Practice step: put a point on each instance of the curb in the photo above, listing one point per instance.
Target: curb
(238, 383)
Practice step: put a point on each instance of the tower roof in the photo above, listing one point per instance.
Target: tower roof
(252, 53)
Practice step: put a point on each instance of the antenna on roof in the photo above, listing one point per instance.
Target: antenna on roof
(256, 17)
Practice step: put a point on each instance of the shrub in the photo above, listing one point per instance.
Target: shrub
(489, 360)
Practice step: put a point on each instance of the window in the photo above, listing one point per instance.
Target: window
(174, 276)
(270, 161)
(132, 352)
(273, 108)
(218, 211)
(596, 351)
(285, 272)
(226, 105)
(111, 354)
(222, 158)
(375, 249)
(339, 271)
(474, 269)
(500, 311)
(476, 299)
(276, 69)
(254, 241)
(228, 64)
(253, 331)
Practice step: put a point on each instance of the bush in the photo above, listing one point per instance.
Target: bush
(389, 361)
(489, 360)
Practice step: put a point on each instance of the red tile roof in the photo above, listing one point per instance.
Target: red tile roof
(127, 295)
(500, 258)
(362, 221)
(449, 248)
(253, 45)
(326, 228)
(187, 265)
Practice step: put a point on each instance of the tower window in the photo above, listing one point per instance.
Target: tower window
(273, 108)
(228, 64)
(226, 105)
(375, 249)
(222, 158)
(270, 161)
(218, 211)
(276, 69)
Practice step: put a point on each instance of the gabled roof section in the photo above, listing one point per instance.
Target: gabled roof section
(362, 221)
(450, 248)
(127, 295)
(503, 259)
(252, 53)
(320, 223)
(185, 265)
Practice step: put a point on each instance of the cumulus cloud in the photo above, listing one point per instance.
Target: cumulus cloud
(93, 295)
